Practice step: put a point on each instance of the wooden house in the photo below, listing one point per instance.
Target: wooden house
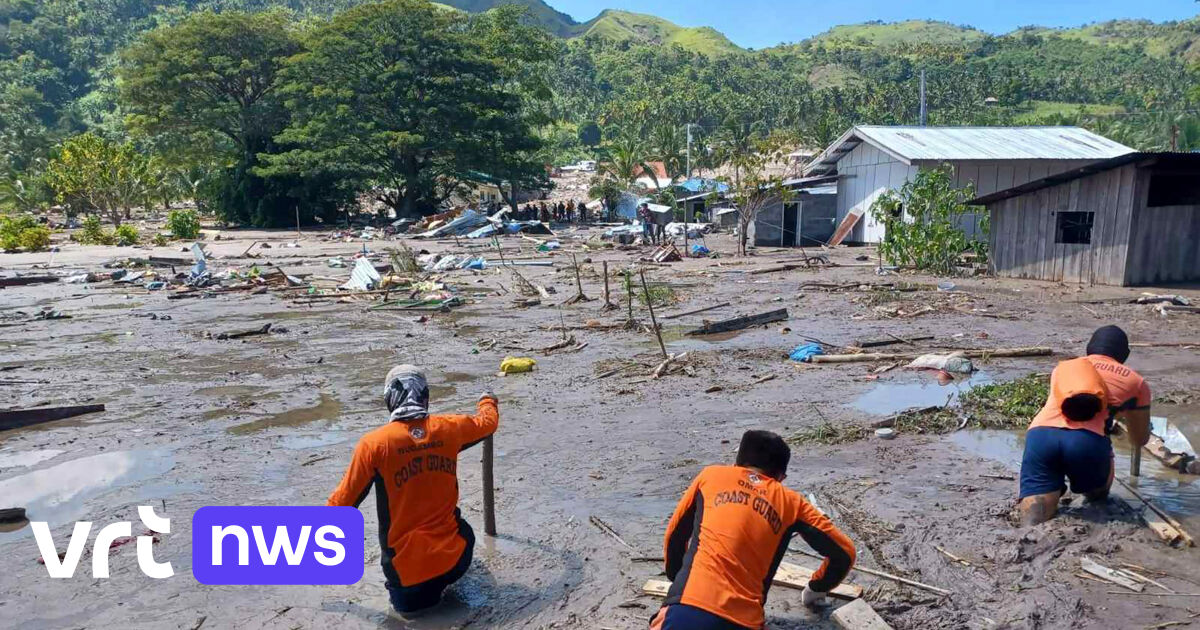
(871, 160)
(1130, 220)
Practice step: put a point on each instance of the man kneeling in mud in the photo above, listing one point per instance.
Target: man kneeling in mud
(1069, 437)
(728, 535)
(412, 462)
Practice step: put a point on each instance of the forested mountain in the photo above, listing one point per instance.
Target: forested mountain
(638, 79)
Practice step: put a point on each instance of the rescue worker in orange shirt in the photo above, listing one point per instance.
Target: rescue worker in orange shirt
(1069, 437)
(728, 535)
(412, 463)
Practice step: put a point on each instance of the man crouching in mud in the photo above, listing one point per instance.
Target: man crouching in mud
(412, 462)
(1069, 436)
(728, 535)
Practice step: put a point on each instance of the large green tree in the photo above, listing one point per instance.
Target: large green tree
(208, 89)
(400, 95)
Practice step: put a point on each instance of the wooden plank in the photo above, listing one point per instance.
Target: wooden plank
(1110, 575)
(875, 343)
(739, 323)
(845, 227)
(858, 615)
(20, 281)
(788, 575)
(28, 417)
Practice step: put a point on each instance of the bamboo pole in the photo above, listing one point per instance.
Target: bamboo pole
(1187, 538)
(653, 321)
(886, 576)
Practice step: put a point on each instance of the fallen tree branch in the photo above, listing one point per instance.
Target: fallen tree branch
(969, 353)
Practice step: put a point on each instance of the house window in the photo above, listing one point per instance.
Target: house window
(1075, 228)
(1173, 189)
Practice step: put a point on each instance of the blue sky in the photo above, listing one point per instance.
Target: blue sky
(763, 23)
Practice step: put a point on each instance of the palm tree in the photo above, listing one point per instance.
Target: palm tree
(626, 160)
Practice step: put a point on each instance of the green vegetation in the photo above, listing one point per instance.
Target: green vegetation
(910, 32)
(922, 220)
(92, 232)
(255, 109)
(125, 235)
(1007, 406)
(23, 232)
(184, 224)
(634, 28)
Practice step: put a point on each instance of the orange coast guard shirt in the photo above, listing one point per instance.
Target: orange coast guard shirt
(413, 467)
(728, 536)
(1120, 387)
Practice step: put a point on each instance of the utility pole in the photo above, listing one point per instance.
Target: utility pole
(923, 116)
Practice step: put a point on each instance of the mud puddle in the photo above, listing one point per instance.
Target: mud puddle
(329, 408)
(59, 493)
(1178, 494)
(315, 440)
(888, 398)
(237, 391)
(25, 459)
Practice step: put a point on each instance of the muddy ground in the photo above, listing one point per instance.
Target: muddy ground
(194, 421)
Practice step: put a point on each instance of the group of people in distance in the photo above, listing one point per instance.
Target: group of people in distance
(733, 524)
(568, 212)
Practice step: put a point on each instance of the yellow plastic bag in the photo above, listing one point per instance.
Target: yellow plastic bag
(517, 365)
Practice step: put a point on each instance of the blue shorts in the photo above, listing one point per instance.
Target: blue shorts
(684, 617)
(1052, 454)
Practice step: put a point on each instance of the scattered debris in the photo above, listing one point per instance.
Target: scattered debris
(858, 615)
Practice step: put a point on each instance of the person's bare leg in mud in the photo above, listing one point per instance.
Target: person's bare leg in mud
(1101, 494)
(1038, 508)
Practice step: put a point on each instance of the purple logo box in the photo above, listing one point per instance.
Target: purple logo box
(277, 545)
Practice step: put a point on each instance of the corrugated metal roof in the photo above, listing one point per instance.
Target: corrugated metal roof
(1177, 160)
(928, 144)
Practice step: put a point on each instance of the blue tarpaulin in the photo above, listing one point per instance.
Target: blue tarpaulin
(700, 184)
(805, 352)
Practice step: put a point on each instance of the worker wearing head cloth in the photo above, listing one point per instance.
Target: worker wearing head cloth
(412, 463)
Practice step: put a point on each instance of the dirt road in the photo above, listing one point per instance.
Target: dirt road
(192, 421)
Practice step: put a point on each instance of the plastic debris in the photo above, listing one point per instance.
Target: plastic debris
(157, 285)
(336, 262)
(700, 251)
(953, 363)
(549, 246)
(517, 365)
(805, 352)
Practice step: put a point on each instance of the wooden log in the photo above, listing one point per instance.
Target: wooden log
(697, 311)
(858, 615)
(19, 281)
(238, 334)
(969, 353)
(27, 417)
(775, 269)
(740, 323)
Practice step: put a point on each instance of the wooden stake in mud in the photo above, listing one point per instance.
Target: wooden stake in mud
(608, 305)
(489, 489)
(496, 240)
(653, 322)
(629, 296)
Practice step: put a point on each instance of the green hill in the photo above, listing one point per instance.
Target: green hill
(887, 34)
(1168, 39)
(623, 26)
(543, 14)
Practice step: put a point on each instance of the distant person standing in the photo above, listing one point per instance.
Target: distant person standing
(643, 215)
